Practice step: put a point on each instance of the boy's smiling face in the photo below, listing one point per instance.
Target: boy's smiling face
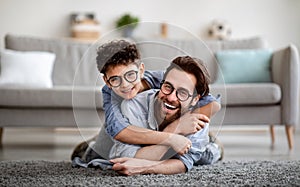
(126, 90)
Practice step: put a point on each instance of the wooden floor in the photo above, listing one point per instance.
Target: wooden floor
(240, 143)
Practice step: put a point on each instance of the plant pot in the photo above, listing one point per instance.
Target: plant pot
(127, 32)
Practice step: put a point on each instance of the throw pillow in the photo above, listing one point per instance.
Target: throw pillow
(244, 66)
(33, 68)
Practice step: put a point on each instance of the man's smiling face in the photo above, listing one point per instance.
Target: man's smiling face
(169, 106)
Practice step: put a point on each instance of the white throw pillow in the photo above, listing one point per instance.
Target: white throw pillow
(30, 68)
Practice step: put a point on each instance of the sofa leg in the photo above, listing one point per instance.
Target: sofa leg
(289, 129)
(1, 133)
(272, 132)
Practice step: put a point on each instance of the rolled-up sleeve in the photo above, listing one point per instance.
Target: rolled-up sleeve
(208, 99)
(154, 78)
(123, 150)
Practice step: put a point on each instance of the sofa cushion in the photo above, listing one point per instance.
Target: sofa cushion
(244, 66)
(75, 61)
(246, 43)
(157, 53)
(56, 97)
(247, 94)
(32, 69)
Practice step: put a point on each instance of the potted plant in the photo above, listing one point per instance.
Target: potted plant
(129, 22)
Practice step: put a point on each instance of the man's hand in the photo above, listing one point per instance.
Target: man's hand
(189, 123)
(133, 166)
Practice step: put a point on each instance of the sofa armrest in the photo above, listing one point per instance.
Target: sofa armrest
(285, 72)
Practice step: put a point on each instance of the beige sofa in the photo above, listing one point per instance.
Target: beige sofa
(75, 99)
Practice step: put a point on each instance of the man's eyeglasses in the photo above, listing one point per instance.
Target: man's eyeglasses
(129, 76)
(181, 93)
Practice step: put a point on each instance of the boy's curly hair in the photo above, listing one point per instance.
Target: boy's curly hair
(116, 52)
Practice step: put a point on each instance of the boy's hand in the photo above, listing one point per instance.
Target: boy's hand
(190, 123)
(180, 144)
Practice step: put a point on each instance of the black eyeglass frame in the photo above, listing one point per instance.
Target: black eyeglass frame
(177, 90)
(120, 78)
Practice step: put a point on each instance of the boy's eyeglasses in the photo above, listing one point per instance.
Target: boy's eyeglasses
(181, 93)
(129, 76)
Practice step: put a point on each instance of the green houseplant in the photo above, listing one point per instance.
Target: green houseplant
(129, 22)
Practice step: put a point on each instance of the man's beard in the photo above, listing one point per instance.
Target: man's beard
(165, 121)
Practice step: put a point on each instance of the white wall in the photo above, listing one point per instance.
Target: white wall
(276, 20)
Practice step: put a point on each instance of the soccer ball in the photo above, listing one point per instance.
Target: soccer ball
(219, 30)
